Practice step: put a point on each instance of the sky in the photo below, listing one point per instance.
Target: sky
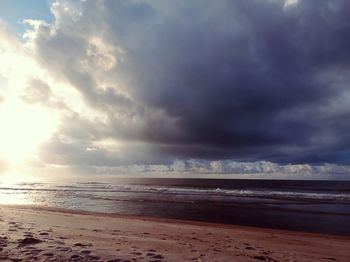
(232, 88)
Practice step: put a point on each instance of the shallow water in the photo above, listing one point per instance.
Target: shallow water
(315, 206)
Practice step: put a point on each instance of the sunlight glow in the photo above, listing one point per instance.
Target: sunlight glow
(289, 3)
(23, 128)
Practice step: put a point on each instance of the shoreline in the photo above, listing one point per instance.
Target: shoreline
(63, 235)
(169, 220)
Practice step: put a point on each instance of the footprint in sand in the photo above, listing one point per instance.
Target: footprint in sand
(85, 252)
(154, 255)
(92, 258)
(83, 245)
(264, 258)
(15, 259)
(158, 257)
(65, 249)
(48, 254)
(28, 234)
(3, 241)
(29, 241)
(34, 252)
(76, 258)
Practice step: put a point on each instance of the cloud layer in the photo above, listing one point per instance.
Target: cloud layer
(212, 80)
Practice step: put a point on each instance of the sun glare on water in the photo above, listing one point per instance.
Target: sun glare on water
(23, 128)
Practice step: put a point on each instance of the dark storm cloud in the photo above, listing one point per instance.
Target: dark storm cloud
(246, 80)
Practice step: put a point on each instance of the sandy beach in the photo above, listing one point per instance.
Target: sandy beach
(44, 234)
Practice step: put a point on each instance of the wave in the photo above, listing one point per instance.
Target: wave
(96, 187)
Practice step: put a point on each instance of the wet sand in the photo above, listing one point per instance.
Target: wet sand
(46, 234)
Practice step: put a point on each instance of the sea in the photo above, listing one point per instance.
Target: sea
(310, 206)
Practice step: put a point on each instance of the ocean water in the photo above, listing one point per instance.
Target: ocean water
(312, 206)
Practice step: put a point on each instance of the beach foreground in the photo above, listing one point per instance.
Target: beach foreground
(45, 234)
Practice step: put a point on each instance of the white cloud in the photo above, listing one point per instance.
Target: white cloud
(220, 169)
